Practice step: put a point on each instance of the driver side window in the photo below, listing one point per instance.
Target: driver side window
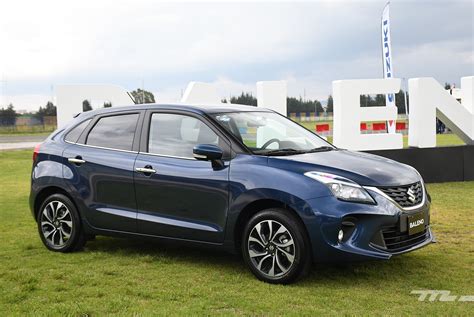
(176, 135)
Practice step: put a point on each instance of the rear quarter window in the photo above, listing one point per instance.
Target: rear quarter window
(73, 135)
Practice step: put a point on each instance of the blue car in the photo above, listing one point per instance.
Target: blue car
(239, 178)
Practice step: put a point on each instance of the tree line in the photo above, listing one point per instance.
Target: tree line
(294, 105)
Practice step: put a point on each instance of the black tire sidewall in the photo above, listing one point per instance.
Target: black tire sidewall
(287, 219)
(76, 234)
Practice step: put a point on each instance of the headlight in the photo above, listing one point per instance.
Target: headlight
(343, 188)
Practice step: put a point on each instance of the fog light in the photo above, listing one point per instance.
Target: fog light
(340, 235)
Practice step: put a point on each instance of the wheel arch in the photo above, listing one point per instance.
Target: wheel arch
(46, 192)
(255, 207)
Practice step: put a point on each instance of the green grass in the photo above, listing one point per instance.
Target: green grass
(119, 276)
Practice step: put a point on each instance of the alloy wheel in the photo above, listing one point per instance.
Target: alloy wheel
(271, 248)
(56, 224)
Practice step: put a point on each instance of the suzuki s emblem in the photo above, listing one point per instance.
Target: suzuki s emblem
(411, 195)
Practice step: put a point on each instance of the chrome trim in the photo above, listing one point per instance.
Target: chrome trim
(171, 156)
(380, 192)
(161, 219)
(105, 148)
(145, 170)
(75, 160)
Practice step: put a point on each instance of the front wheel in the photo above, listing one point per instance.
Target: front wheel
(275, 247)
(59, 225)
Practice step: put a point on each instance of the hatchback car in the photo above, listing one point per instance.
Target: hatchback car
(235, 177)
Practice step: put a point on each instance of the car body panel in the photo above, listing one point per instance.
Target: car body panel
(363, 168)
(103, 186)
(191, 200)
(185, 198)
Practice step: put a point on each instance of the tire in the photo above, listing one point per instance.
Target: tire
(59, 224)
(284, 257)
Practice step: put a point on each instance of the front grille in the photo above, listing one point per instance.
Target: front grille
(396, 241)
(405, 196)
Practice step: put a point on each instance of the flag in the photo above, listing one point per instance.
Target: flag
(387, 61)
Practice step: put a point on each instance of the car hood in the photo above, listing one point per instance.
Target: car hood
(363, 168)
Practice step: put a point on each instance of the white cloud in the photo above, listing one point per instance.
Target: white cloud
(62, 38)
(231, 44)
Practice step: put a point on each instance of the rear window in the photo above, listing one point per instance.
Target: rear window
(76, 132)
(116, 132)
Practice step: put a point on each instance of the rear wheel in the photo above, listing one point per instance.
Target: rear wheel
(275, 247)
(59, 225)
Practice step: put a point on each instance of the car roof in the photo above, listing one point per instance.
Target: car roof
(199, 108)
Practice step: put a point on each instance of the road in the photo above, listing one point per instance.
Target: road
(14, 142)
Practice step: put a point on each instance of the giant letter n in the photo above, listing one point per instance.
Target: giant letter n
(428, 100)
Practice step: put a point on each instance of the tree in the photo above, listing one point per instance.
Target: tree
(8, 115)
(330, 105)
(400, 101)
(86, 106)
(244, 99)
(48, 110)
(143, 96)
(298, 105)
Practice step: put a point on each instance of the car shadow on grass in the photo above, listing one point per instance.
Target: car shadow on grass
(370, 272)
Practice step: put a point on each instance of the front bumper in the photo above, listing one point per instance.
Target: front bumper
(370, 231)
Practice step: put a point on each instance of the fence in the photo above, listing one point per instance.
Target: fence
(325, 129)
(310, 116)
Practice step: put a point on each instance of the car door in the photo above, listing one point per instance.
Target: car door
(99, 171)
(182, 197)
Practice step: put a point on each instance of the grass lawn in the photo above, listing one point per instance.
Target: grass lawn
(140, 277)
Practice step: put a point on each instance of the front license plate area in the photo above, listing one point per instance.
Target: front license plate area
(416, 223)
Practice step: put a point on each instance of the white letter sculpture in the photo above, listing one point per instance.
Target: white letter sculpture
(348, 114)
(70, 98)
(428, 100)
(272, 95)
(197, 92)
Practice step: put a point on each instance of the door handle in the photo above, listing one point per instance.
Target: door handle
(145, 170)
(76, 160)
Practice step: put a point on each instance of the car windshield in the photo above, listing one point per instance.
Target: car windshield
(268, 133)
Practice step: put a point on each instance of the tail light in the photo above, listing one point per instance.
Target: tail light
(36, 152)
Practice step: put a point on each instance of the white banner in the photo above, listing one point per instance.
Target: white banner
(387, 61)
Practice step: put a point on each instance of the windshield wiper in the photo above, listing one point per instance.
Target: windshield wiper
(282, 152)
(324, 148)
(290, 151)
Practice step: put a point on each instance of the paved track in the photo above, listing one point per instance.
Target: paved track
(14, 142)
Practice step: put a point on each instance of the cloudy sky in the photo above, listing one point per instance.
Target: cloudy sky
(231, 44)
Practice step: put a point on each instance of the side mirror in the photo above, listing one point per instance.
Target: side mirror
(207, 152)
